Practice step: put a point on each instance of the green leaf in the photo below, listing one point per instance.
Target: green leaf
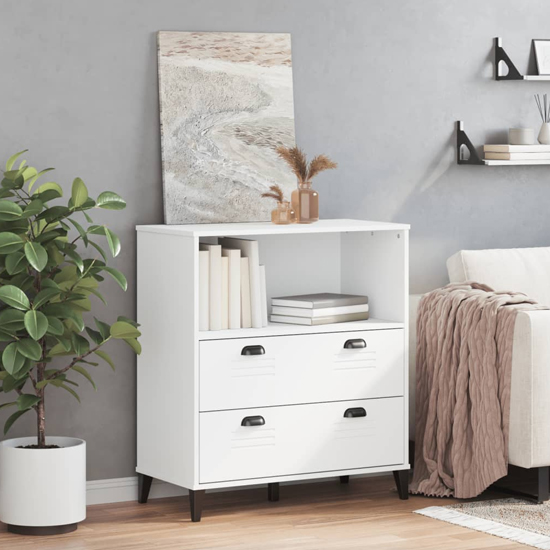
(55, 213)
(99, 249)
(128, 320)
(11, 359)
(33, 208)
(110, 201)
(134, 344)
(59, 349)
(10, 242)
(23, 372)
(113, 241)
(104, 329)
(88, 219)
(81, 346)
(86, 374)
(27, 401)
(80, 230)
(29, 348)
(6, 336)
(14, 297)
(67, 274)
(36, 324)
(106, 357)
(36, 255)
(9, 210)
(11, 420)
(63, 311)
(71, 391)
(96, 230)
(75, 257)
(97, 293)
(117, 276)
(55, 326)
(55, 188)
(10, 383)
(15, 262)
(44, 296)
(5, 405)
(29, 172)
(79, 194)
(123, 330)
(11, 161)
(33, 180)
(12, 320)
(94, 335)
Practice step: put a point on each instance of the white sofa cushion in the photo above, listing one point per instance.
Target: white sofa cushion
(524, 270)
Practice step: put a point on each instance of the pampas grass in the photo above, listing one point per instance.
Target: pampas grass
(297, 161)
(276, 193)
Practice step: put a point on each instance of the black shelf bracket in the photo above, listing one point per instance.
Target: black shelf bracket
(501, 55)
(463, 139)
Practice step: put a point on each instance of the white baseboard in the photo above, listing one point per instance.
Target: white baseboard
(125, 489)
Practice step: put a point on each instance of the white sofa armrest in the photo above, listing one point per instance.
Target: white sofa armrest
(530, 393)
(529, 442)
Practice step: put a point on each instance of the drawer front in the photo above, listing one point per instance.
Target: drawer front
(308, 368)
(300, 439)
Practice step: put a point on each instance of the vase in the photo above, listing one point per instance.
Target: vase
(305, 202)
(283, 214)
(42, 491)
(544, 134)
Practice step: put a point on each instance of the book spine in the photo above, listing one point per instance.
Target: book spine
(234, 257)
(215, 295)
(255, 287)
(225, 293)
(246, 315)
(324, 312)
(263, 289)
(204, 290)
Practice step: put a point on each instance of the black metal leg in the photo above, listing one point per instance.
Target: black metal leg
(144, 486)
(196, 499)
(543, 492)
(401, 478)
(273, 492)
(344, 479)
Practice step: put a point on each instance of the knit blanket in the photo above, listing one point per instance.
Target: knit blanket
(463, 376)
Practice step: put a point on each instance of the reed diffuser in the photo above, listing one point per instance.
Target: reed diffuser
(544, 111)
(304, 199)
(283, 213)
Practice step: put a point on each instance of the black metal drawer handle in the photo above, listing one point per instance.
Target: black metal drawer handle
(253, 421)
(253, 350)
(356, 412)
(357, 343)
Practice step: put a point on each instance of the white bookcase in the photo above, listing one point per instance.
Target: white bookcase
(323, 401)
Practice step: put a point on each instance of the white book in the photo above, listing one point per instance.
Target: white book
(225, 293)
(505, 148)
(215, 279)
(346, 318)
(246, 318)
(204, 289)
(234, 258)
(249, 249)
(263, 289)
(517, 156)
(314, 313)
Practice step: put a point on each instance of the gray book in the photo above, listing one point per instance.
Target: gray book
(314, 321)
(321, 300)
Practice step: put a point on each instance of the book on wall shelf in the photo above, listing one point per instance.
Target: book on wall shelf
(319, 309)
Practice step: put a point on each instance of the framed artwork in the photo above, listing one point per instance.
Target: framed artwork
(226, 104)
(542, 55)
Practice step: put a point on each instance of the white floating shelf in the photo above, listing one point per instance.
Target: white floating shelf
(536, 77)
(515, 162)
(281, 329)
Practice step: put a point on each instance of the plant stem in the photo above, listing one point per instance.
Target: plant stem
(40, 407)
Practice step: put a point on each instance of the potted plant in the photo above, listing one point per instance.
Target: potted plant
(45, 341)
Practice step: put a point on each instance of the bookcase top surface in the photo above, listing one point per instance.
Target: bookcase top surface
(267, 228)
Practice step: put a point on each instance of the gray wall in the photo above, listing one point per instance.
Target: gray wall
(378, 86)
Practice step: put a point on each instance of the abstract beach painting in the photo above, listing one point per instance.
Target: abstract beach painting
(226, 104)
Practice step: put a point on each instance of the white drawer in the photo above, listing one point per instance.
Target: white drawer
(307, 368)
(300, 439)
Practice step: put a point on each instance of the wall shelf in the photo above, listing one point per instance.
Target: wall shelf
(513, 73)
(462, 140)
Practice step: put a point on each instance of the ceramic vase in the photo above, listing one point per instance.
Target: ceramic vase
(544, 134)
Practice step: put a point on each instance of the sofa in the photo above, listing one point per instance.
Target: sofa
(524, 270)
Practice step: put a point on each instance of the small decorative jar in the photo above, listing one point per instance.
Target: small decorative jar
(283, 214)
(305, 202)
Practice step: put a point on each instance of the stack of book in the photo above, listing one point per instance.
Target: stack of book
(538, 154)
(319, 309)
(232, 285)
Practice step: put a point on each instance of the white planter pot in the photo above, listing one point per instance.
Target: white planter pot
(42, 491)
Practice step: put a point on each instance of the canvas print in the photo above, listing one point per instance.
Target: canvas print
(226, 104)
